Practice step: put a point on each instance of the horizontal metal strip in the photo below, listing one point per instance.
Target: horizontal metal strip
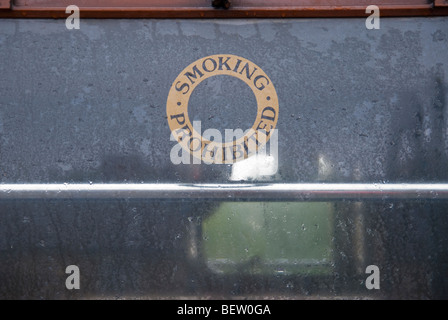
(228, 192)
(236, 12)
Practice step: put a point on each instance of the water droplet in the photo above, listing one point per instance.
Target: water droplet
(280, 271)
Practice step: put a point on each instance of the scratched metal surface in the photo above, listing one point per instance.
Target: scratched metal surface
(89, 106)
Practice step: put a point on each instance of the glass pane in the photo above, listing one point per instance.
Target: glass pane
(90, 176)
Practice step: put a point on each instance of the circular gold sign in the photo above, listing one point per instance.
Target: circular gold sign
(217, 151)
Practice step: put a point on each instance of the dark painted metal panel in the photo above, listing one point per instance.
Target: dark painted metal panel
(89, 106)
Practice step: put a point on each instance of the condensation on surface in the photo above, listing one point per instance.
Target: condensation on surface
(355, 105)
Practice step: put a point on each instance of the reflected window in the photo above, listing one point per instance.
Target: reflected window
(269, 238)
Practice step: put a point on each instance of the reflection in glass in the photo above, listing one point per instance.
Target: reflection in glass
(269, 238)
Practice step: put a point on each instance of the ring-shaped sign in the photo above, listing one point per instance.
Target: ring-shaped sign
(217, 151)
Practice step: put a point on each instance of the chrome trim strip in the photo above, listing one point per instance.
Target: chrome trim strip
(228, 192)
